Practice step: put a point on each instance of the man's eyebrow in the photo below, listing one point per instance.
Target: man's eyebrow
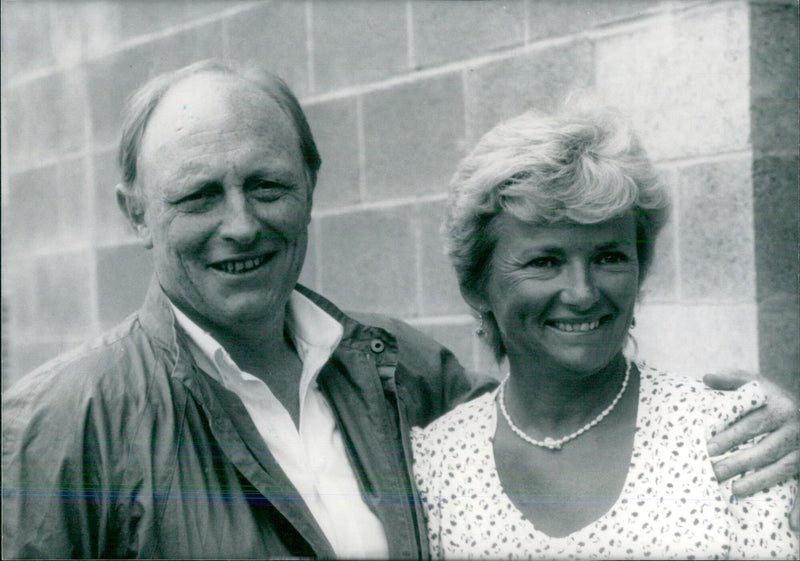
(280, 174)
(615, 244)
(270, 172)
(281, 179)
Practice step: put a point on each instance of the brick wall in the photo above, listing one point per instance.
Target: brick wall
(396, 92)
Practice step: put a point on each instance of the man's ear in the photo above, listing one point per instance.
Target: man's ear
(131, 204)
(310, 201)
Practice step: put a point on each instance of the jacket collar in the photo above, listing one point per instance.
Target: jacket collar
(361, 336)
(158, 319)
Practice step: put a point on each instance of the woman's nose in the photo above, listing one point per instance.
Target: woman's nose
(239, 223)
(579, 290)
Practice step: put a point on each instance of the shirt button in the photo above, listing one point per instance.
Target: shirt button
(377, 346)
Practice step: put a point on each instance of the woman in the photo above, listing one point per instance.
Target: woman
(581, 452)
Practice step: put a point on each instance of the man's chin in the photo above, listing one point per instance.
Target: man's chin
(243, 312)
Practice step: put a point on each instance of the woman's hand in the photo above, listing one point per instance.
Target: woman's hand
(776, 458)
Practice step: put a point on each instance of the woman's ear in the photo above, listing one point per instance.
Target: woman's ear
(132, 205)
(475, 300)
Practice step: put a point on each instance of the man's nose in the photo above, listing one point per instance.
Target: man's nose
(579, 290)
(239, 224)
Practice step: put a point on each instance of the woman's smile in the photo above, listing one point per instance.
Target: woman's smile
(574, 326)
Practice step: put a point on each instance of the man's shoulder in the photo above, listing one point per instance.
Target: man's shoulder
(393, 326)
(418, 355)
(401, 330)
(110, 367)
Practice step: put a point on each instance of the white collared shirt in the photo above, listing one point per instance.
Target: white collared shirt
(313, 457)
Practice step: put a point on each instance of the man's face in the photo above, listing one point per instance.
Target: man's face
(227, 202)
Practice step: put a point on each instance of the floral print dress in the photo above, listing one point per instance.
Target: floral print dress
(671, 505)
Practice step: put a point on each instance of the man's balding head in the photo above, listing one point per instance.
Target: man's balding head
(144, 101)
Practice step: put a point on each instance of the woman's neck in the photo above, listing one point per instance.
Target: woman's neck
(550, 401)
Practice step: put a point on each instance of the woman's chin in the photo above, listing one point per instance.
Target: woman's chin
(581, 365)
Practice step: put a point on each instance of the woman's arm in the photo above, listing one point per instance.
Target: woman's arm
(776, 458)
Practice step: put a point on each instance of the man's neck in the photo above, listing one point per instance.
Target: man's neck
(274, 361)
(266, 351)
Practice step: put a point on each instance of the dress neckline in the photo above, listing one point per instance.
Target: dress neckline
(627, 486)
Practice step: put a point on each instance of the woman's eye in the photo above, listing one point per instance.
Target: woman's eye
(544, 262)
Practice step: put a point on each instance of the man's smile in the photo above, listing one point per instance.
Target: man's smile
(240, 266)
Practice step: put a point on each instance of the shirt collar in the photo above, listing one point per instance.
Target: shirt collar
(315, 333)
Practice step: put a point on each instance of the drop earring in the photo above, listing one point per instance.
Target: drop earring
(480, 331)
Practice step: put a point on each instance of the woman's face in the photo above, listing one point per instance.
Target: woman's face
(563, 295)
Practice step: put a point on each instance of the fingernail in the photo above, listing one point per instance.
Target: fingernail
(722, 471)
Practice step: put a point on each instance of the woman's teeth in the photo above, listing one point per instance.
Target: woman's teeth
(588, 326)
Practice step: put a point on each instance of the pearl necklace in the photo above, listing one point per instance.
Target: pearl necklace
(550, 442)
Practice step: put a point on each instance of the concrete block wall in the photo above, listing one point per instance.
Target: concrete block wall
(396, 93)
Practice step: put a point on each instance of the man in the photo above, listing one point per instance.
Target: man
(237, 414)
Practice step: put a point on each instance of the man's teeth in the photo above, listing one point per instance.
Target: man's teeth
(588, 326)
(242, 266)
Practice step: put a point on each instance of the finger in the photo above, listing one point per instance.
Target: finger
(794, 516)
(779, 396)
(758, 421)
(728, 379)
(782, 442)
(765, 478)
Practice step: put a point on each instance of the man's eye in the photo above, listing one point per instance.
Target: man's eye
(266, 190)
(200, 196)
(612, 258)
